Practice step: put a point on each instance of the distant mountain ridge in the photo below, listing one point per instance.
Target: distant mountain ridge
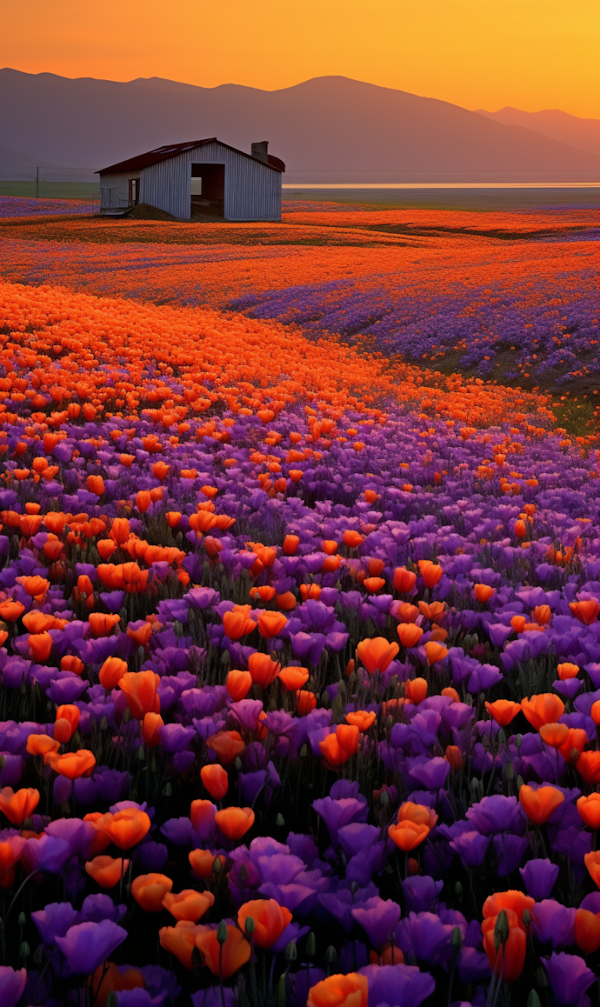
(581, 133)
(328, 129)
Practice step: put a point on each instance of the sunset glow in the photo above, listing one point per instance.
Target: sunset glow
(532, 56)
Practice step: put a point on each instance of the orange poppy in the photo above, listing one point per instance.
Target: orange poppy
(112, 672)
(72, 765)
(108, 979)
(238, 684)
(377, 653)
(270, 624)
(332, 752)
(415, 690)
(409, 634)
(290, 545)
(539, 804)
(189, 904)
(262, 669)
(554, 735)
(435, 651)
(567, 671)
(215, 780)
(592, 862)
(508, 960)
(270, 920)
(19, 805)
(545, 708)
(293, 678)
(102, 625)
(503, 711)
(420, 814)
(483, 592)
(67, 722)
(141, 687)
(587, 931)
(10, 611)
(72, 663)
(202, 862)
(180, 940)
(126, 828)
(223, 959)
(227, 744)
(589, 809)
(407, 835)
(362, 719)
(40, 646)
(430, 572)
(36, 587)
(588, 767)
(235, 822)
(350, 990)
(107, 871)
(237, 622)
(306, 701)
(404, 580)
(353, 538)
(347, 736)
(149, 891)
(586, 611)
(41, 744)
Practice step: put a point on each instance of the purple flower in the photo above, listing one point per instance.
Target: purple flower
(86, 945)
(569, 978)
(421, 892)
(54, 920)
(471, 848)
(12, 985)
(398, 985)
(539, 877)
(378, 917)
(554, 923)
(336, 814)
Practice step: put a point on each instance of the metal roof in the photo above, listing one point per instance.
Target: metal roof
(173, 150)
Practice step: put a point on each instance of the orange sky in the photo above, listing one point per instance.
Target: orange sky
(532, 54)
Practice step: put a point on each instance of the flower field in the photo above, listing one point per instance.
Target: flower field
(299, 628)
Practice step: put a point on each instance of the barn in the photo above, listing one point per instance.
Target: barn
(197, 180)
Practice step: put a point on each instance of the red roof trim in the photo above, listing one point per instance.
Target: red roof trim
(174, 149)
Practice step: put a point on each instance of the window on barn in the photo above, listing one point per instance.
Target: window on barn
(207, 190)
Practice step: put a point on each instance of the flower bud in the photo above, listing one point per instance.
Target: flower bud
(291, 952)
(222, 932)
(501, 930)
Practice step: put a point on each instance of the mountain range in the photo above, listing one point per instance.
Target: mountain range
(328, 129)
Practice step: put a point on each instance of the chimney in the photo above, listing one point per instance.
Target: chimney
(261, 151)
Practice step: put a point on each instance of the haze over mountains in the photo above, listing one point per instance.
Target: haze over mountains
(328, 129)
(581, 133)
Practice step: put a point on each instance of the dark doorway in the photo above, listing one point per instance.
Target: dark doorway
(134, 191)
(208, 190)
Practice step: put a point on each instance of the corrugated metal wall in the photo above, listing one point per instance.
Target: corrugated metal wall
(115, 191)
(252, 190)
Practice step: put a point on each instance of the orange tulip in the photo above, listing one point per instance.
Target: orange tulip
(202, 862)
(409, 634)
(512, 900)
(353, 538)
(592, 862)
(415, 689)
(36, 587)
(573, 747)
(180, 940)
(407, 612)
(238, 684)
(347, 736)
(312, 591)
(332, 752)
(151, 725)
(483, 592)
(235, 822)
(503, 711)
(19, 805)
(189, 904)
(270, 624)
(430, 572)
(539, 804)
(41, 744)
(420, 814)
(453, 755)
(112, 672)
(287, 601)
(270, 920)
(307, 702)
(407, 835)
(545, 708)
(508, 960)
(293, 678)
(404, 580)
(554, 735)
(72, 765)
(72, 663)
(587, 931)
(589, 809)
(290, 545)
(10, 611)
(373, 584)
(567, 670)
(107, 871)
(223, 959)
(435, 651)
(595, 712)
(149, 891)
(361, 719)
(227, 744)
(588, 767)
(141, 687)
(126, 828)
(102, 625)
(237, 622)
(377, 653)
(40, 646)
(100, 841)
(586, 611)
(351, 990)
(262, 669)
(215, 780)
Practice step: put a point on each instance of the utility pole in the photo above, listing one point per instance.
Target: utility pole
(37, 181)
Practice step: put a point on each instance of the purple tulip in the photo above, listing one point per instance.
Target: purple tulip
(398, 985)
(539, 877)
(569, 978)
(378, 918)
(86, 945)
(12, 985)
(54, 920)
